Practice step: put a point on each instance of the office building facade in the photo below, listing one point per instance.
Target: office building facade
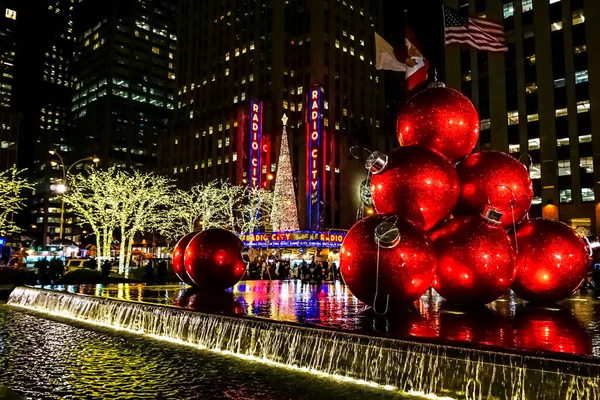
(243, 64)
(539, 100)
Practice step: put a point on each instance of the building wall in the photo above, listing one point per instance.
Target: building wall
(232, 52)
(537, 100)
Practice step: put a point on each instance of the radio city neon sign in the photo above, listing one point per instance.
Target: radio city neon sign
(313, 149)
(255, 139)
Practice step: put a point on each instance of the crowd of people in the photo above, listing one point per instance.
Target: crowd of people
(49, 271)
(306, 271)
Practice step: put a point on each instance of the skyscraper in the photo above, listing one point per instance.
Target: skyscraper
(42, 97)
(124, 77)
(537, 100)
(9, 120)
(242, 64)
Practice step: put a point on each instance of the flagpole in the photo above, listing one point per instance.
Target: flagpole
(443, 66)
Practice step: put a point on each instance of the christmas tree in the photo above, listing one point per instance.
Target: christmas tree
(284, 216)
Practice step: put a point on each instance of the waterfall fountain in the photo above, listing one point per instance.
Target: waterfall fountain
(420, 368)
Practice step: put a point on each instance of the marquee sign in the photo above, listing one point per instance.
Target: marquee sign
(255, 171)
(313, 157)
(295, 239)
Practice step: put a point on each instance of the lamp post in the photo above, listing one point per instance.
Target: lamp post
(63, 186)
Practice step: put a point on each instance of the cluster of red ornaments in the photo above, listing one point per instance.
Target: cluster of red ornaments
(452, 219)
(209, 260)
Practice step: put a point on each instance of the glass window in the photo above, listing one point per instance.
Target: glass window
(561, 112)
(513, 117)
(533, 144)
(514, 148)
(565, 196)
(558, 83)
(587, 163)
(562, 142)
(564, 167)
(485, 124)
(581, 76)
(578, 17)
(508, 10)
(583, 106)
(556, 26)
(535, 171)
(527, 5)
(587, 194)
(585, 138)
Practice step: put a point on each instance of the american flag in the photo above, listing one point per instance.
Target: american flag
(477, 32)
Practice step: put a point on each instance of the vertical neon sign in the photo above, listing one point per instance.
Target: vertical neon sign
(313, 149)
(255, 171)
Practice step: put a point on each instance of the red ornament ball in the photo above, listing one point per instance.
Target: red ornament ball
(213, 259)
(442, 119)
(418, 185)
(178, 254)
(405, 270)
(476, 261)
(552, 261)
(497, 179)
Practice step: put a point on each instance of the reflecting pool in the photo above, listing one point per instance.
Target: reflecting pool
(569, 328)
(41, 358)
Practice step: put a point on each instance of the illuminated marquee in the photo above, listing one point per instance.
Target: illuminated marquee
(325, 240)
(255, 140)
(313, 149)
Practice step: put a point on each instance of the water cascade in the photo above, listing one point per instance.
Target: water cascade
(412, 367)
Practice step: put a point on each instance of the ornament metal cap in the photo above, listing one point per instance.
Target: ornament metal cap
(593, 244)
(492, 215)
(387, 234)
(435, 83)
(245, 253)
(376, 162)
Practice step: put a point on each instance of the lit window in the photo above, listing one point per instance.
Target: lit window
(587, 194)
(10, 14)
(564, 167)
(326, 104)
(237, 51)
(531, 88)
(585, 139)
(226, 71)
(285, 104)
(292, 107)
(565, 196)
(561, 112)
(556, 26)
(513, 117)
(252, 45)
(535, 172)
(533, 117)
(337, 43)
(171, 56)
(531, 59)
(227, 140)
(235, 99)
(220, 127)
(209, 162)
(562, 142)
(227, 56)
(560, 82)
(210, 130)
(219, 160)
(243, 96)
(234, 157)
(578, 17)
(362, 42)
(583, 106)
(171, 75)
(581, 76)
(508, 10)
(587, 163)
(326, 121)
(527, 5)
(156, 50)
(251, 78)
(299, 89)
(345, 112)
(533, 144)
(514, 148)
(196, 166)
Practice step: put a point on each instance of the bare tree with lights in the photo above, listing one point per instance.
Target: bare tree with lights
(12, 186)
(255, 210)
(284, 216)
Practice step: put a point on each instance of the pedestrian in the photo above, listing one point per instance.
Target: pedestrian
(161, 271)
(56, 269)
(106, 267)
(43, 271)
(149, 272)
(281, 270)
(334, 272)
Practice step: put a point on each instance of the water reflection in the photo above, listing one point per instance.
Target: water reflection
(572, 327)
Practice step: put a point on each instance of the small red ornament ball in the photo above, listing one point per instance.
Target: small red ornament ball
(552, 261)
(178, 254)
(497, 179)
(405, 271)
(442, 119)
(418, 185)
(213, 259)
(476, 261)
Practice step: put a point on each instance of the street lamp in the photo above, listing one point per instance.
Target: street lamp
(63, 186)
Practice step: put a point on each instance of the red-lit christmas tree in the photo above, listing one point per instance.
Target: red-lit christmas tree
(284, 216)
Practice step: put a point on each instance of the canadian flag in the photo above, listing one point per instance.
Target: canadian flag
(408, 59)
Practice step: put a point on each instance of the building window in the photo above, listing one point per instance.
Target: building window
(527, 5)
(234, 157)
(578, 17)
(583, 106)
(558, 83)
(535, 172)
(556, 26)
(485, 124)
(581, 76)
(156, 50)
(562, 142)
(533, 144)
(285, 104)
(587, 163)
(227, 56)
(531, 59)
(585, 139)
(514, 148)
(587, 194)
(513, 117)
(508, 10)
(564, 167)
(209, 162)
(565, 196)
(226, 71)
(220, 143)
(561, 112)
(299, 89)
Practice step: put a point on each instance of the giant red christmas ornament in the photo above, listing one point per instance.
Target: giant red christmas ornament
(496, 179)
(406, 261)
(441, 119)
(552, 261)
(213, 259)
(178, 254)
(476, 260)
(415, 183)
